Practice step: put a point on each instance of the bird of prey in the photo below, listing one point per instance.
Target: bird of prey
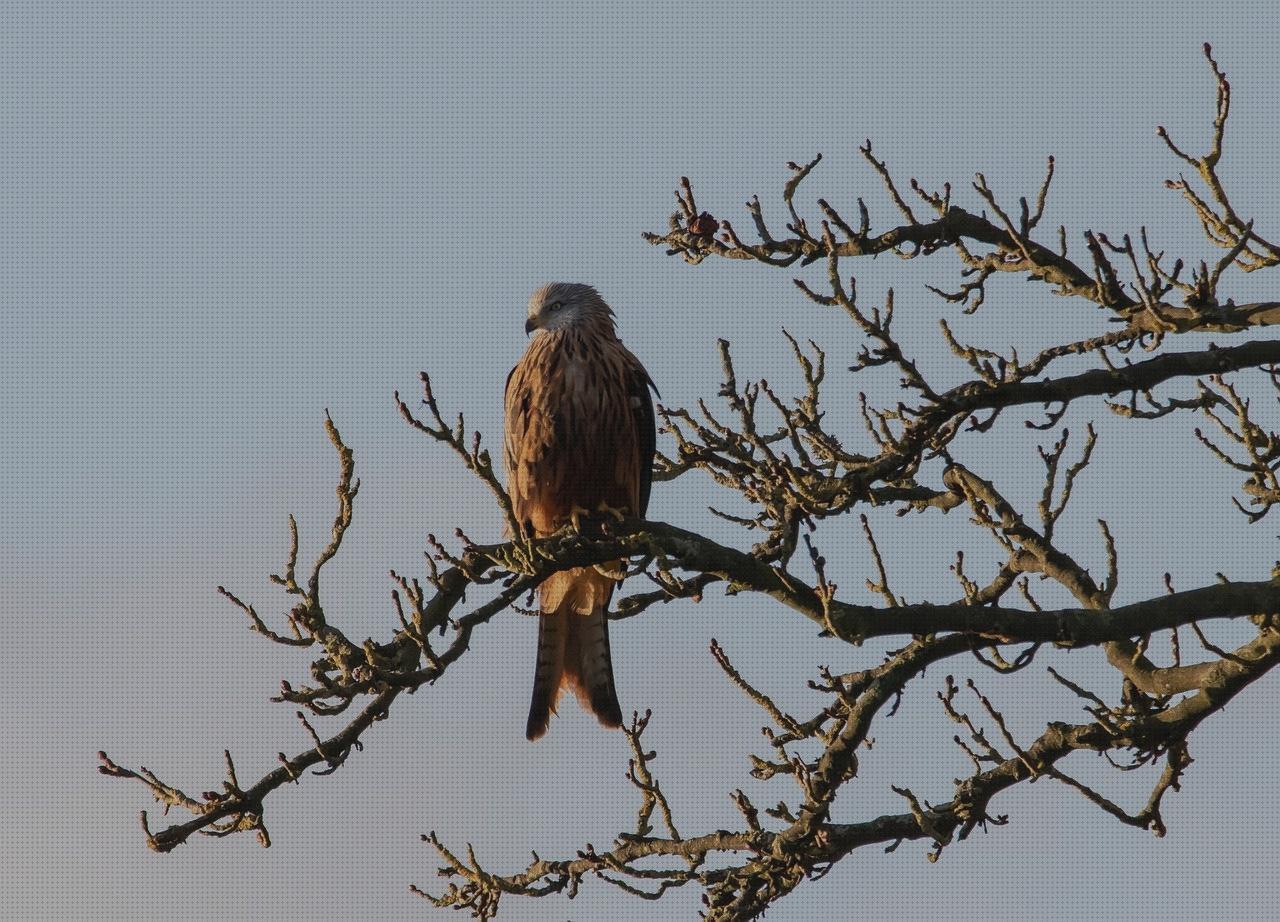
(580, 439)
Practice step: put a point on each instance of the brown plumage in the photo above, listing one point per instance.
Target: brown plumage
(579, 436)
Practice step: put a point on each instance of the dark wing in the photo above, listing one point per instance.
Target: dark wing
(646, 432)
(508, 422)
(515, 406)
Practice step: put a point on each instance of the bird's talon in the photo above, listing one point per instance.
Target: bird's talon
(575, 517)
(618, 514)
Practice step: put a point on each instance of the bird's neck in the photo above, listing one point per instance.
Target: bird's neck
(593, 328)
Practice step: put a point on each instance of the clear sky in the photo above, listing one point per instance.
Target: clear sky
(221, 219)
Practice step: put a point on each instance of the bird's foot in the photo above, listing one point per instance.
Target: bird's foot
(575, 517)
(618, 514)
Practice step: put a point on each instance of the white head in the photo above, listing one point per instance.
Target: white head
(562, 305)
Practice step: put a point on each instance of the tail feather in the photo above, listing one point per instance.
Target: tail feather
(589, 668)
(548, 675)
(573, 649)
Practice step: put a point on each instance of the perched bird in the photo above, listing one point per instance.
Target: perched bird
(580, 439)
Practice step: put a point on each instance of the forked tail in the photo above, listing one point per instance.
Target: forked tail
(573, 649)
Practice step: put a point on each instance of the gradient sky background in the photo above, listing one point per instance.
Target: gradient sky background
(220, 219)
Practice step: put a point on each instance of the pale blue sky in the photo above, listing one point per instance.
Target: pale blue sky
(221, 219)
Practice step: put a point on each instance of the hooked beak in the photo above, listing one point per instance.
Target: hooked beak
(529, 326)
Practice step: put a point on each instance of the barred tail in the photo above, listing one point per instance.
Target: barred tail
(548, 675)
(589, 668)
(573, 649)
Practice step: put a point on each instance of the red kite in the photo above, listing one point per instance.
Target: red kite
(580, 438)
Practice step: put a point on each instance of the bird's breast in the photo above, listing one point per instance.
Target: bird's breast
(574, 440)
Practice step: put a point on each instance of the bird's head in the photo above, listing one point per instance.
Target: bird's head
(561, 305)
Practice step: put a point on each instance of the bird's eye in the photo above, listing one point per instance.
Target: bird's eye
(554, 306)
